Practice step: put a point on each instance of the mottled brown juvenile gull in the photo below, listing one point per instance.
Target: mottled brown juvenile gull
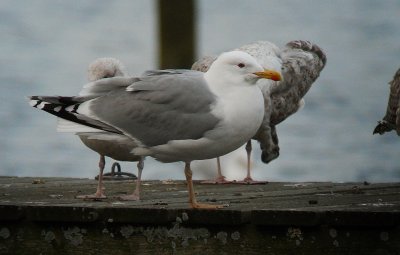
(99, 69)
(301, 63)
(391, 121)
(175, 115)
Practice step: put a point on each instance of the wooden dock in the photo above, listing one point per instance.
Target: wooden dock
(42, 216)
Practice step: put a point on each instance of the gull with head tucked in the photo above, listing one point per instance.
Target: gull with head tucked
(102, 68)
(174, 115)
(300, 62)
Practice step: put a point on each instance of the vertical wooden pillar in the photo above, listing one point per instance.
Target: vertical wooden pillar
(177, 33)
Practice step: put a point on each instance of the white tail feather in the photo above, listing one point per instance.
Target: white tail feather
(104, 136)
(67, 126)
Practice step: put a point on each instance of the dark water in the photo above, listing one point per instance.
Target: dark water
(46, 46)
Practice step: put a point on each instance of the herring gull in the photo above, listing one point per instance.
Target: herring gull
(173, 115)
(301, 63)
(391, 121)
(99, 69)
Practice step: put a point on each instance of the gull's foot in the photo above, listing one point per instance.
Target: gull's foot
(95, 196)
(250, 181)
(131, 197)
(206, 206)
(218, 180)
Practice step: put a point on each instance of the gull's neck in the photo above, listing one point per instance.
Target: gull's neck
(240, 106)
(221, 83)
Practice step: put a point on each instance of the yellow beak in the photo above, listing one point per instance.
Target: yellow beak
(269, 74)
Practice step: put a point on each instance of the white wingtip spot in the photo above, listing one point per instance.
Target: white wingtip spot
(33, 102)
(130, 88)
(57, 109)
(70, 108)
(41, 105)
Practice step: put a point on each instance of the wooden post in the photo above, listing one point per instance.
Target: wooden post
(176, 30)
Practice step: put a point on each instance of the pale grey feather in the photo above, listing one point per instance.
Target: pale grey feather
(105, 75)
(157, 110)
(302, 64)
(103, 86)
(106, 67)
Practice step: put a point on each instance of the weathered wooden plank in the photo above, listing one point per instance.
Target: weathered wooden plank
(342, 217)
(56, 197)
(179, 238)
(42, 215)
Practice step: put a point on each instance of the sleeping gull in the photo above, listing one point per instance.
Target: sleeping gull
(99, 69)
(301, 63)
(173, 115)
(391, 121)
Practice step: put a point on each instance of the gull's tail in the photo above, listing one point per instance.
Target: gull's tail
(67, 108)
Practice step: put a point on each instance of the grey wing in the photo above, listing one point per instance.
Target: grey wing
(302, 63)
(166, 72)
(160, 108)
(391, 120)
(103, 86)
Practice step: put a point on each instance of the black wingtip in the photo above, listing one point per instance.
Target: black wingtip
(33, 98)
(382, 128)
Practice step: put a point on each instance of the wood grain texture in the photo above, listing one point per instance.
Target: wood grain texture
(41, 215)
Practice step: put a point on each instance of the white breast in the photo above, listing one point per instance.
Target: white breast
(241, 113)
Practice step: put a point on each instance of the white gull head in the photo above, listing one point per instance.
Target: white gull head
(237, 68)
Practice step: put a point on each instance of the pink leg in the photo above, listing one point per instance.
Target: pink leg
(136, 194)
(100, 188)
(248, 179)
(192, 197)
(220, 179)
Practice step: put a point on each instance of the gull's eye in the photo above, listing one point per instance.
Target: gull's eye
(240, 65)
